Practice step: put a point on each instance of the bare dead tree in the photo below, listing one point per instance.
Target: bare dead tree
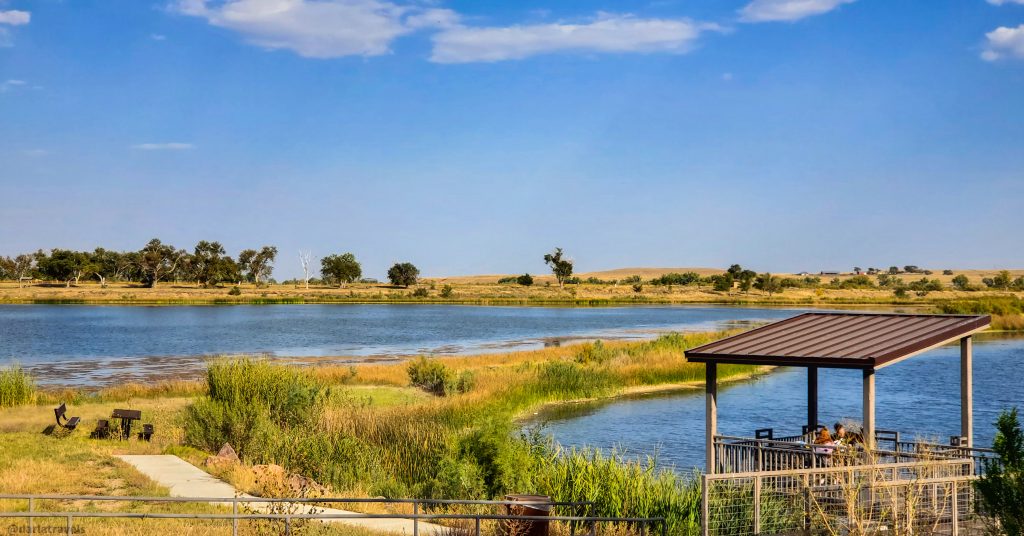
(305, 258)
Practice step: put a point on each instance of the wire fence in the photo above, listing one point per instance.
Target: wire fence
(241, 515)
(894, 499)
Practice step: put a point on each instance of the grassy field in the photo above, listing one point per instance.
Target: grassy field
(365, 431)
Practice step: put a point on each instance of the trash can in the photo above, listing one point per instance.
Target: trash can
(527, 505)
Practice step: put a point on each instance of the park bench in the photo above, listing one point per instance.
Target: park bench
(147, 432)
(61, 413)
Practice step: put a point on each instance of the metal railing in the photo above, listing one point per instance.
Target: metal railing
(245, 509)
(766, 453)
(896, 498)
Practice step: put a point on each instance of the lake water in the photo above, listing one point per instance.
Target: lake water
(90, 345)
(920, 395)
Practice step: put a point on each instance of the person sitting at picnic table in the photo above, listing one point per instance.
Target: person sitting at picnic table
(840, 436)
(823, 441)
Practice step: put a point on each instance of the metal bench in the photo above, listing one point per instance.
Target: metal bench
(147, 432)
(61, 413)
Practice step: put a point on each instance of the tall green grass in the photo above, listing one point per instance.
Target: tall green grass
(1007, 311)
(16, 387)
(462, 445)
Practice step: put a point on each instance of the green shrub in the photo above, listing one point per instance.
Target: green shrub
(447, 291)
(420, 293)
(1002, 485)
(16, 387)
(290, 396)
(235, 291)
(430, 375)
(525, 280)
(210, 423)
(595, 352)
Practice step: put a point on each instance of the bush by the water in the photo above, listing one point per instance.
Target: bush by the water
(1007, 311)
(251, 403)
(434, 377)
(16, 387)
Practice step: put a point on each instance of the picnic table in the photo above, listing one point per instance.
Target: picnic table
(126, 416)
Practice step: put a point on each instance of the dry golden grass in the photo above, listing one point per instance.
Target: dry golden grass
(484, 289)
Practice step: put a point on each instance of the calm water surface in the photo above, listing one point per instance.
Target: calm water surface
(920, 395)
(83, 345)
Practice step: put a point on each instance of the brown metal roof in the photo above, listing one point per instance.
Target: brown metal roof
(842, 340)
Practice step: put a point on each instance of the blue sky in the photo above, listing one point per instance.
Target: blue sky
(472, 137)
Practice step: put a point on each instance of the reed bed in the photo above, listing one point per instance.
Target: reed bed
(16, 387)
(452, 444)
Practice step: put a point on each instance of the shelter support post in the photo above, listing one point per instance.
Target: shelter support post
(711, 414)
(869, 408)
(966, 391)
(812, 398)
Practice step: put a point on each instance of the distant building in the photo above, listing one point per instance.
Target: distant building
(829, 273)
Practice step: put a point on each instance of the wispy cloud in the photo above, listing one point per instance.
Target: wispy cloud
(14, 17)
(166, 146)
(10, 85)
(35, 153)
(319, 29)
(157, 37)
(787, 10)
(607, 33)
(1004, 2)
(1004, 42)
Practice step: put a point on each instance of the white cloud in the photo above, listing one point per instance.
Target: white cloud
(168, 146)
(1003, 2)
(319, 28)
(10, 85)
(1004, 42)
(35, 153)
(14, 17)
(787, 10)
(157, 37)
(607, 33)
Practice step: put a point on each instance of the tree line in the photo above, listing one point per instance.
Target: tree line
(207, 265)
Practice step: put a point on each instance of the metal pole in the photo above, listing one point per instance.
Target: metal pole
(956, 512)
(234, 520)
(757, 504)
(869, 409)
(31, 520)
(478, 526)
(710, 414)
(705, 506)
(416, 519)
(288, 525)
(812, 398)
(69, 525)
(966, 391)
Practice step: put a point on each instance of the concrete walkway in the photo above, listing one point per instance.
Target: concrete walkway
(186, 480)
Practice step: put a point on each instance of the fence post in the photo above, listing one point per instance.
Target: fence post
(69, 525)
(234, 518)
(705, 505)
(757, 504)
(478, 526)
(956, 511)
(287, 525)
(416, 519)
(807, 503)
(31, 520)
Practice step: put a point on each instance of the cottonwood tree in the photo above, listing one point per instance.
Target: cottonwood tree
(157, 261)
(342, 269)
(22, 266)
(961, 282)
(304, 258)
(768, 284)
(210, 264)
(403, 274)
(257, 265)
(103, 264)
(560, 267)
(64, 265)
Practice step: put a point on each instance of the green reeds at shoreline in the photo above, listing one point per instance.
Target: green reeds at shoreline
(16, 387)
